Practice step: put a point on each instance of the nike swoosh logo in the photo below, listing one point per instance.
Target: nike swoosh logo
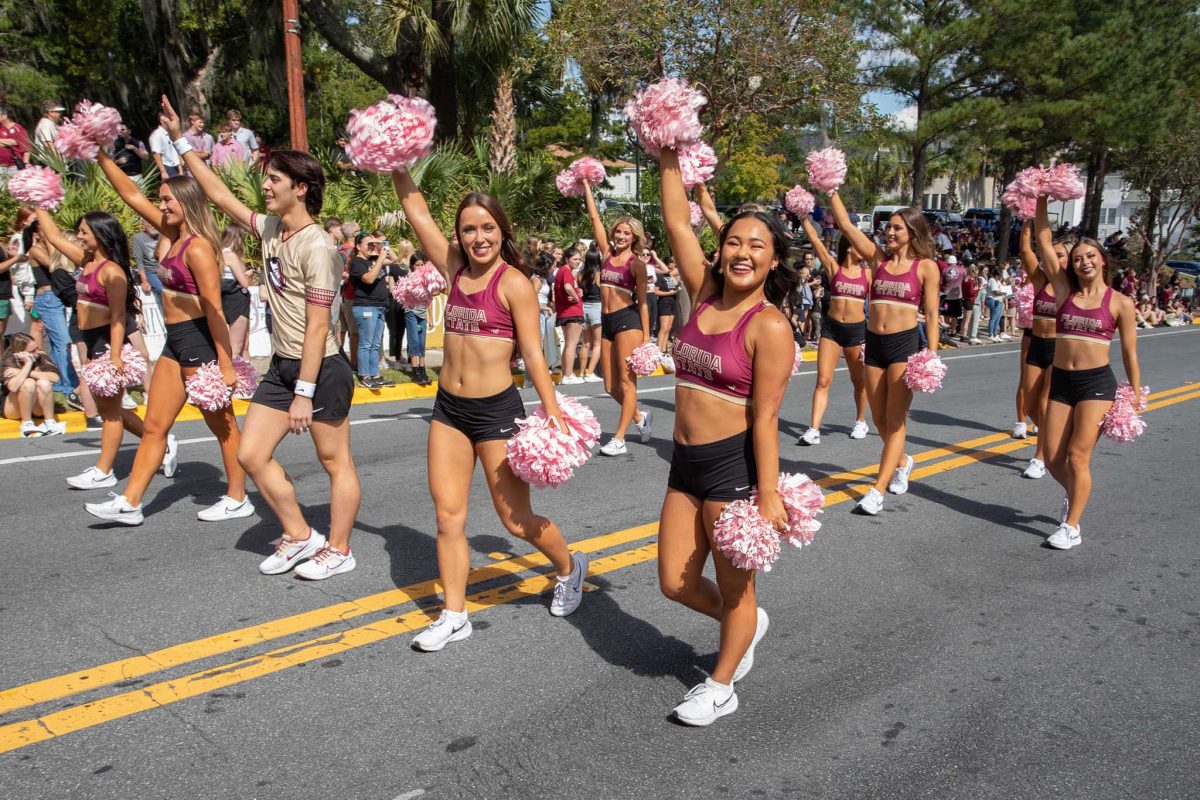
(298, 552)
(722, 705)
(505, 430)
(740, 488)
(316, 410)
(459, 628)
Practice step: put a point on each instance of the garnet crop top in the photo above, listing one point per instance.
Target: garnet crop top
(174, 272)
(1088, 324)
(618, 277)
(897, 290)
(1044, 306)
(715, 362)
(89, 288)
(852, 288)
(479, 313)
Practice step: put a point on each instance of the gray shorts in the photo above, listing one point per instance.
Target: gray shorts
(591, 314)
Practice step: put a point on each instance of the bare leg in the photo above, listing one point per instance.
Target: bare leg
(571, 333)
(451, 461)
(45, 398)
(332, 441)
(858, 377)
(1056, 432)
(85, 394)
(739, 606)
(828, 354)
(1087, 417)
(682, 552)
(238, 334)
(622, 348)
(262, 431)
(168, 399)
(898, 398)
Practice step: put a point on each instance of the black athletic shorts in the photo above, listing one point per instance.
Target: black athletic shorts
(724, 470)
(335, 386)
(952, 308)
(96, 340)
(627, 319)
(481, 419)
(561, 321)
(1071, 386)
(1041, 352)
(844, 334)
(73, 331)
(1026, 333)
(190, 343)
(667, 307)
(235, 301)
(885, 349)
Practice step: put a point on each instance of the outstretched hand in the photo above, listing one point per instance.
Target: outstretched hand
(169, 119)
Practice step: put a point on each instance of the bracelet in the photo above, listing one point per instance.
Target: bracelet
(305, 389)
(182, 146)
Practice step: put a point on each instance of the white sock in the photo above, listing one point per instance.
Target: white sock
(725, 689)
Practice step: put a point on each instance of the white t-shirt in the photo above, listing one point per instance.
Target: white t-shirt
(160, 142)
(45, 132)
(245, 137)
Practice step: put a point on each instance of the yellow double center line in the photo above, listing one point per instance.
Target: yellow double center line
(68, 720)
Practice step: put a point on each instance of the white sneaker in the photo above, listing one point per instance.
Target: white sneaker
(571, 380)
(747, 663)
(289, 552)
(92, 478)
(171, 457)
(706, 703)
(668, 363)
(32, 430)
(128, 403)
(993, 338)
(810, 437)
(1065, 537)
(592, 377)
(614, 447)
(871, 503)
(451, 626)
(1035, 470)
(974, 340)
(643, 425)
(226, 508)
(53, 427)
(326, 563)
(899, 484)
(1004, 337)
(860, 429)
(117, 509)
(568, 594)
(1020, 431)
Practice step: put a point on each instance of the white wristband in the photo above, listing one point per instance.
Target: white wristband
(182, 146)
(305, 389)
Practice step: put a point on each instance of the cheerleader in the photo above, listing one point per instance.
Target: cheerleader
(905, 278)
(196, 335)
(733, 362)
(491, 305)
(1037, 347)
(1082, 385)
(843, 332)
(624, 318)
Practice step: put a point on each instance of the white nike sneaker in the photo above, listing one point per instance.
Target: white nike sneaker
(810, 437)
(289, 552)
(706, 703)
(899, 484)
(1020, 431)
(326, 563)
(54, 427)
(747, 663)
(171, 457)
(127, 402)
(117, 509)
(614, 447)
(568, 593)
(1066, 537)
(871, 503)
(32, 430)
(451, 626)
(643, 425)
(860, 429)
(226, 508)
(92, 478)
(592, 377)
(1035, 470)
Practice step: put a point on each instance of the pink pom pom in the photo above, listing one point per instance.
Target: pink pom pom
(98, 123)
(695, 213)
(589, 170)
(207, 390)
(1031, 181)
(666, 114)
(37, 186)
(745, 537)
(803, 500)
(799, 201)
(826, 169)
(542, 455)
(1062, 182)
(697, 163)
(798, 359)
(1024, 302)
(134, 366)
(925, 372)
(247, 378)
(578, 418)
(1023, 206)
(72, 142)
(1123, 422)
(417, 288)
(644, 359)
(391, 134)
(101, 377)
(568, 183)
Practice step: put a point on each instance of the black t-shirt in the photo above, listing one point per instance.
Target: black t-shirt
(6, 284)
(126, 156)
(62, 283)
(367, 294)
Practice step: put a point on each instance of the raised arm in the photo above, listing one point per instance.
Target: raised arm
(864, 244)
(814, 238)
(54, 236)
(677, 218)
(1029, 259)
(209, 181)
(709, 209)
(598, 232)
(1045, 248)
(447, 259)
(129, 192)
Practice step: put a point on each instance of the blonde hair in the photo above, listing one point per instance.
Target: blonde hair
(196, 211)
(404, 250)
(57, 259)
(639, 234)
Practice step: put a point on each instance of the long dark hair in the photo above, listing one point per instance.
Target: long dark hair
(115, 247)
(18, 343)
(509, 252)
(1105, 274)
(593, 262)
(781, 281)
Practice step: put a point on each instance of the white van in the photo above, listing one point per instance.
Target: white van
(881, 214)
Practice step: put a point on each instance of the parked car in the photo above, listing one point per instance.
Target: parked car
(880, 216)
(1184, 267)
(949, 220)
(986, 219)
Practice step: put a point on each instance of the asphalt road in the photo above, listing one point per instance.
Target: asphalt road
(936, 651)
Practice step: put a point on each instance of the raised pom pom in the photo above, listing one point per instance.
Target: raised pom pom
(1062, 182)
(418, 288)
(568, 183)
(925, 372)
(206, 388)
(695, 213)
(588, 170)
(799, 201)
(644, 359)
(247, 378)
(1023, 206)
(391, 134)
(99, 123)
(666, 114)
(1123, 422)
(697, 163)
(72, 142)
(1031, 181)
(1024, 302)
(804, 500)
(40, 187)
(745, 537)
(826, 169)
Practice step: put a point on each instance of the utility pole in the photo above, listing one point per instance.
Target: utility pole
(295, 78)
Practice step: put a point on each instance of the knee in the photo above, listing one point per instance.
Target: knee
(28, 387)
(674, 587)
(250, 459)
(523, 525)
(823, 383)
(1078, 458)
(450, 523)
(155, 428)
(45, 385)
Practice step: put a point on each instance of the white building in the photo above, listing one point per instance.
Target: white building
(622, 183)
